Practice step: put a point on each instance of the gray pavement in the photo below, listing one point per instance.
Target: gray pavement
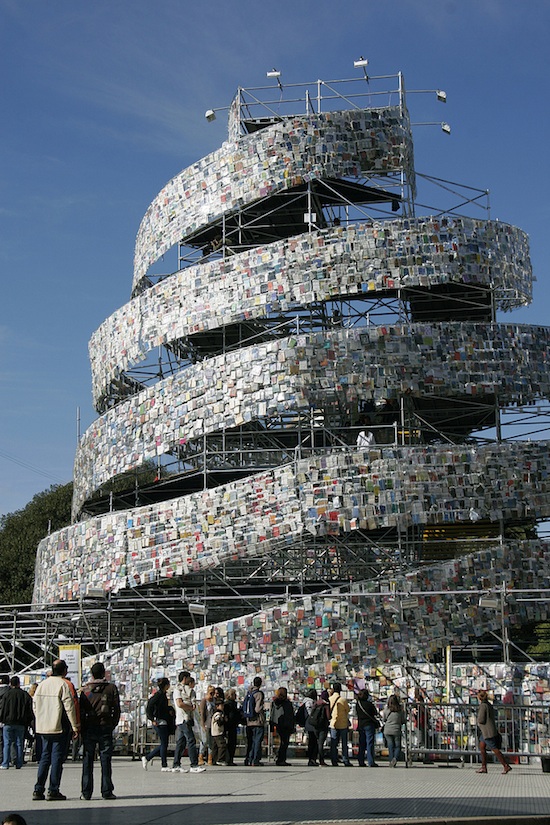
(298, 794)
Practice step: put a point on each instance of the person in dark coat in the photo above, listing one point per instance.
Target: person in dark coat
(16, 715)
(99, 716)
(232, 717)
(282, 721)
(367, 722)
(160, 714)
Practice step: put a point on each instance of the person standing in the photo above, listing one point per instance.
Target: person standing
(4, 687)
(367, 722)
(99, 715)
(317, 725)
(217, 729)
(232, 717)
(159, 714)
(394, 718)
(207, 707)
(254, 714)
(309, 727)
(184, 701)
(16, 715)
(55, 715)
(339, 724)
(282, 720)
(490, 737)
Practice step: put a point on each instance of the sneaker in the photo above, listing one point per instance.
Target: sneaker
(179, 769)
(166, 769)
(84, 797)
(38, 796)
(144, 763)
(4, 768)
(393, 763)
(109, 796)
(197, 769)
(55, 796)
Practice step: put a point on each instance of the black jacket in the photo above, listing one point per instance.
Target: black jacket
(366, 713)
(99, 704)
(16, 707)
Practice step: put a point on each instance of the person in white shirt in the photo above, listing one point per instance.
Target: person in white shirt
(184, 700)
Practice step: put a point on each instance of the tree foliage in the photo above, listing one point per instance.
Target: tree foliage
(20, 534)
(541, 650)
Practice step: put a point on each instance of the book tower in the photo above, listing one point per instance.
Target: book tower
(303, 423)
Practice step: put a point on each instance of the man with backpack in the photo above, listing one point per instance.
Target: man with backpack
(254, 716)
(99, 716)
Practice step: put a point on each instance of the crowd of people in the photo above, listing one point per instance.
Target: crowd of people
(206, 728)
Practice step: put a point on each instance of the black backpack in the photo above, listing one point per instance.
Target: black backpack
(301, 715)
(318, 718)
(249, 706)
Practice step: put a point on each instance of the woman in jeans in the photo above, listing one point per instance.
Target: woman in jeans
(394, 718)
(160, 715)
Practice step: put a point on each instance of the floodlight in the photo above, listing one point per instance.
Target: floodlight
(489, 601)
(446, 128)
(95, 593)
(198, 609)
(361, 63)
(441, 96)
(273, 73)
(210, 115)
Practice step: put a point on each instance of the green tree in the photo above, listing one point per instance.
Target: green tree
(541, 650)
(20, 533)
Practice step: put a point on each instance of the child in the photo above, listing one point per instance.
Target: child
(218, 735)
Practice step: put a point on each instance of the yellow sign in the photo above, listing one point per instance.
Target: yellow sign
(71, 654)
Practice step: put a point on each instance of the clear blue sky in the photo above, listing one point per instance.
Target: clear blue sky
(103, 102)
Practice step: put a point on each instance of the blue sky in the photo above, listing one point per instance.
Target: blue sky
(103, 102)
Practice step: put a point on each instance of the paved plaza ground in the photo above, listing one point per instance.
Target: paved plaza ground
(298, 794)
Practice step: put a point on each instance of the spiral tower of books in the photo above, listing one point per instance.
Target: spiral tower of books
(314, 400)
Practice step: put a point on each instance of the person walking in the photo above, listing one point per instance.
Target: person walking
(367, 723)
(16, 715)
(185, 703)
(490, 737)
(394, 718)
(159, 714)
(99, 716)
(282, 720)
(55, 715)
(339, 725)
(254, 715)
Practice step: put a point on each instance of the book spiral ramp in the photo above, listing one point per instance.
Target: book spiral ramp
(305, 422)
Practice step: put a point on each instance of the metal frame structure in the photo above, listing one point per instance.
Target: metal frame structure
(313, 564)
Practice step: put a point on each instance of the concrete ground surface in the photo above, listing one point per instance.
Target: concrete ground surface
(299, 794)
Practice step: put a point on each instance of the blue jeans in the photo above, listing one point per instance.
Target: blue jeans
(366, 743)
(257, 739)
(339, 735)
(54, 753)
(103, 738)
(162, 747)
(185, 735)
(13, 735)
(394, 746)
